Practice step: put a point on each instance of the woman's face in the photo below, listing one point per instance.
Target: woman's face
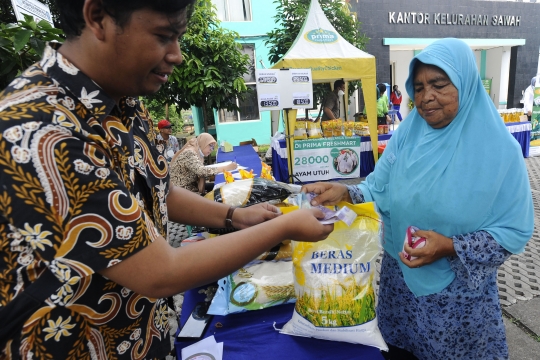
(208, 149)
(435, 97)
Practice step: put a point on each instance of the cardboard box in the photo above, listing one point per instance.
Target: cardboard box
(251, 142)
(227, 147)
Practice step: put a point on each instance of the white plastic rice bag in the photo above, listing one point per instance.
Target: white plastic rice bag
(334, 282)
(254, 287)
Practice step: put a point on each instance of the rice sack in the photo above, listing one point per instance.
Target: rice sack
(334, 282)
(249, 192)
(254, 287)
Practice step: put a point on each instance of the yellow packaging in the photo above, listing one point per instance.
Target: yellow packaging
(300, 130)
(245, 175)
(337, 127)
(349, 128)
(314, 130)
(327, 128)
(229, 178)
(334, 282)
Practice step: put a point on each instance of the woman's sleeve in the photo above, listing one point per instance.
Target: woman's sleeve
(197, 167)
(478, 257)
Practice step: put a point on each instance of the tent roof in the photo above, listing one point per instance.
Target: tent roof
(320, 47)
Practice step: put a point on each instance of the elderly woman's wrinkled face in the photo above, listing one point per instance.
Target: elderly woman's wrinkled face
(435, 97)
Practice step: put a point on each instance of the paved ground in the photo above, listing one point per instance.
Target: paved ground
(518, 278)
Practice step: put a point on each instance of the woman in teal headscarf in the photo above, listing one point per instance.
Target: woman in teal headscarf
(454, 171)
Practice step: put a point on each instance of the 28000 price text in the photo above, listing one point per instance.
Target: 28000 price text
(311, 160)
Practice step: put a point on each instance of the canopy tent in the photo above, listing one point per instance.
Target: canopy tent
(320, 47)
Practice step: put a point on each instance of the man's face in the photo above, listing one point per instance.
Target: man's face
(167, 130)
(143, 52)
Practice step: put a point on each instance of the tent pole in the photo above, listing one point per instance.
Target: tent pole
(290, 115)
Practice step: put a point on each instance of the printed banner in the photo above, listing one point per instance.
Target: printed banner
(327, 158)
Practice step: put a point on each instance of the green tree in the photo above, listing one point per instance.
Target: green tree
(211, 75)
(290, 17)
(158, 111)
(22, 44)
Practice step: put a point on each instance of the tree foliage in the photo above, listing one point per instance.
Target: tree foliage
(22, 44)
(290, 17)
(210, 76)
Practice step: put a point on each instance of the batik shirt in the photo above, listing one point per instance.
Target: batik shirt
(171, 146)
(187, 168)
(82, 187)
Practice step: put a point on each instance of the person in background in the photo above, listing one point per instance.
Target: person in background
(166, 138)
(85, 194)
(332, 100)
(187, 165)
(382, 106)
(528, 99)
(395, 99)
(473, 211)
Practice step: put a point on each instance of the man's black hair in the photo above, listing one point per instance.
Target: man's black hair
(72, 20)
(338, 83)
(382, 88)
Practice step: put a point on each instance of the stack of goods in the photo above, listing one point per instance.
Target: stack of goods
(512, 115)
(300, 132)
(361, 128)
(332, 127)
(348, 126)
(314, 129)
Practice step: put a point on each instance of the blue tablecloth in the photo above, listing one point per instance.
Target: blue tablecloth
(367, 163)
(244, 155)
(522, 133)
(251, 335)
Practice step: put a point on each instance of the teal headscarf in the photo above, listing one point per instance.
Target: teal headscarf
(466, 177)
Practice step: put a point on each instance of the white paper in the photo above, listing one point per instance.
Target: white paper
(206, 349)
(219, 164)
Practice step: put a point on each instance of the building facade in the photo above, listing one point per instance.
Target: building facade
(503, 35)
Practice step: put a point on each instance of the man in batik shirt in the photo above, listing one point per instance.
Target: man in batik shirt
(84, 194)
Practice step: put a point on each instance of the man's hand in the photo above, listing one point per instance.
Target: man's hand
(529, 113)
(303, 225)
(437, 246)
(245, 217)
(328, 193)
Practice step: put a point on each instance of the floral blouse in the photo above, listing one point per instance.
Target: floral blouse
(82, 187)
(464, 321)
(186, 170)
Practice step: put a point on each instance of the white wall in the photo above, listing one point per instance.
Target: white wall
(402, 60)
(505, 73)
(493, 72)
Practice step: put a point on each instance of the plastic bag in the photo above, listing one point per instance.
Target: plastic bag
(254, 287)
(334, 282)
(282, 251)
(250, 192)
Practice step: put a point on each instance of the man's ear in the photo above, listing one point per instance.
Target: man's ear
(94, 17)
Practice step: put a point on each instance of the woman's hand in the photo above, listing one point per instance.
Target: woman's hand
(388, 119)
(437, 246)
(328, 193)
(231, 166)
(303, 225)
(245, 217)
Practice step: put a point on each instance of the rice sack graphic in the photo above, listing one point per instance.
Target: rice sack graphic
(334, 282)
(345, 160)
